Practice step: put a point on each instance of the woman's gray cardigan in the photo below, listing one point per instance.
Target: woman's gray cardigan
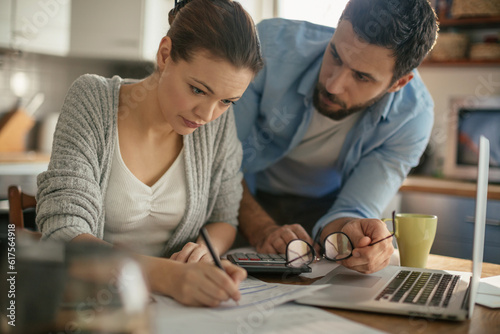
(71, 192)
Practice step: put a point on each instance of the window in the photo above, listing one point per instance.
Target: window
(324, 12)
(259, 9)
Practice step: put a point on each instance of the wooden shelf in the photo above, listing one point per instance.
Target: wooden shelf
(486, 21)
(447, 187)
(462, 62)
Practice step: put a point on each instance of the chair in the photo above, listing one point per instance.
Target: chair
(18, 202)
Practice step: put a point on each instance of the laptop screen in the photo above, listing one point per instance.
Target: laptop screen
(480, 218)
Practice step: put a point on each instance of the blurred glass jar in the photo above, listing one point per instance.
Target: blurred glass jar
(80, 288)
(105, 292)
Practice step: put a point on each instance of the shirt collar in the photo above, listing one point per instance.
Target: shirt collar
(380, 110)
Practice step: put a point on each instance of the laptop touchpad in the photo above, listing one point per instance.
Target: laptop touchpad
(361, 281)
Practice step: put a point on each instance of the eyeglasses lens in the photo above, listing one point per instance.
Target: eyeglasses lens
(299, 253)
(337, 247)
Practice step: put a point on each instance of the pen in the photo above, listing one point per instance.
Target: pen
(204, 235)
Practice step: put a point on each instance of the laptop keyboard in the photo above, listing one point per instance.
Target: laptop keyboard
(420, 288)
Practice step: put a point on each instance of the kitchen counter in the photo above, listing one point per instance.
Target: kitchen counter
(23, 163)
(21, 169)
(32, 163)
(447, 187)
(454, 203)
(23, 157)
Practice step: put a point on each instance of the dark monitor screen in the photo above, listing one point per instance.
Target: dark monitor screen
(472, 123)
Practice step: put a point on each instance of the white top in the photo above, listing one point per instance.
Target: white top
(142, 218)
(318, 152)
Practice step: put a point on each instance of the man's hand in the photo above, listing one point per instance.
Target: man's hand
(262, 231)
(275, 238)
(362, 232)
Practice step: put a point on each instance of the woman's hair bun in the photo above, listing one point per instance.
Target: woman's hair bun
(221, 27)
(177, 7)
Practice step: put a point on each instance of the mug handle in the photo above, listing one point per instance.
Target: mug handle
(386, 220)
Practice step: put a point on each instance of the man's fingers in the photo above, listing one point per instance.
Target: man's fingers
(362, 242)
(279, 245)
(370, 259)
(277, 241)
(266, 248)
(356, 233)
(375, 229)
(370, 267)
(288, 234)
(273, 243)
(301, 233)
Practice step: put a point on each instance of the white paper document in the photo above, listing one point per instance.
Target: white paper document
(261, 309)
(299, 319)
(255, 292)
(489, 292)
(290, 318)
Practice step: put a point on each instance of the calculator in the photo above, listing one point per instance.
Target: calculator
(265, 263)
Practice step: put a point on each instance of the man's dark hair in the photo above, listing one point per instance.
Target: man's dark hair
(408, 27)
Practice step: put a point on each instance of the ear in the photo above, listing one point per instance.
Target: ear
(163, 53)
(400, 83)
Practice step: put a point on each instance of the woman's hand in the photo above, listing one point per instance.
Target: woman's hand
(193, 284)
(193, 252)
(200, 284)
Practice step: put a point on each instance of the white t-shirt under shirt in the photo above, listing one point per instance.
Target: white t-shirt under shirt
(309, 168)
(139, 217)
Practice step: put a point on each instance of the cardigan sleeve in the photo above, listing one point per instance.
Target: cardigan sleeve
(69, 197)
(227, 175)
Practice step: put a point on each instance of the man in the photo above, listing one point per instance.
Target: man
(332, 125)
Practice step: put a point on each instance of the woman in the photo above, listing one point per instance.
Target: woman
(146, 164)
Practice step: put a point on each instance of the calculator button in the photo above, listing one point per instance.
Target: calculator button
(276, 256)
(253, 257)
(264, 256)
(241, 256)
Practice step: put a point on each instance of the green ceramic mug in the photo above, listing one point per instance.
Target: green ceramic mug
(414, 234)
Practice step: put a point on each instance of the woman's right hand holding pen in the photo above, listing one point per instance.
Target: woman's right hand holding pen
(195, 284)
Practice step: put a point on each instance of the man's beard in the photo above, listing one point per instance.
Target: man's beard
(343, 112)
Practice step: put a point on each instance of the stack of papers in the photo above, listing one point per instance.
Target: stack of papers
(263, 308)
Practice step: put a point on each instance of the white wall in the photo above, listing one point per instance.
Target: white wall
(447, 81)
(259, 9)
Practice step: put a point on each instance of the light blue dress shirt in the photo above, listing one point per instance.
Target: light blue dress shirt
(274, 113)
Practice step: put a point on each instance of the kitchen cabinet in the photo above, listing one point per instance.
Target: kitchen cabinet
(118, 29)
(5, 23)
(454, 204)
(41, 26)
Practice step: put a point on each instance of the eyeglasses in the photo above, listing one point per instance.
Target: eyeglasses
(336, 247)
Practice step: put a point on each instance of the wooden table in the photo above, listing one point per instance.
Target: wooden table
(484, 320)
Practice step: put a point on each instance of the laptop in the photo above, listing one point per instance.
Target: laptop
(439, 294)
